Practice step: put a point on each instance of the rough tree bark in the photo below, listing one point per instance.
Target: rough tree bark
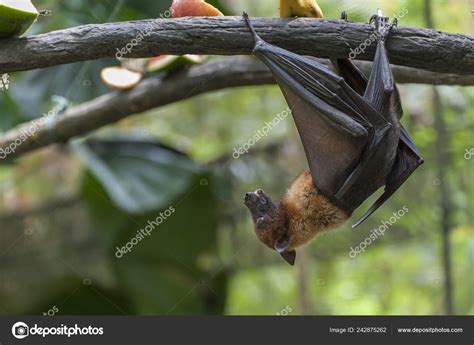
(413, 47)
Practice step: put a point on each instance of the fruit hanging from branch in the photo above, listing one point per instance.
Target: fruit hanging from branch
(161, 63)
(300, 8)
(193, 8)
(16, 17)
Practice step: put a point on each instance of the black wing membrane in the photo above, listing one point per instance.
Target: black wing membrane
(338, 128)
(407, 161)
(351, 74)
(348, 126)
(381, 90)
(382, 93)
(408, 158)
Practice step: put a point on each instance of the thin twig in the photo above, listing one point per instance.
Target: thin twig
(157, 91)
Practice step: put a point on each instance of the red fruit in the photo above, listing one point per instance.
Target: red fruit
(193, 8)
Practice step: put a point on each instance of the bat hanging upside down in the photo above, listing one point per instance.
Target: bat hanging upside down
(354, 142)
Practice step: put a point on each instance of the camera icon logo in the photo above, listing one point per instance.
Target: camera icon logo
(20, 330)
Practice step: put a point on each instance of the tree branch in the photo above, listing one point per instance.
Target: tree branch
(407, 46)
(408, 75)
(157, 91)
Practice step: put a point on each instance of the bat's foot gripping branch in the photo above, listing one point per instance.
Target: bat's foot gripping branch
(382, 24)
(344, 16)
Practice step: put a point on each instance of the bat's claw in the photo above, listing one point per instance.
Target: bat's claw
(381, 23)
(344, 16)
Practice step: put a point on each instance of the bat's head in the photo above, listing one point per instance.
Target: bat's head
(271, 223)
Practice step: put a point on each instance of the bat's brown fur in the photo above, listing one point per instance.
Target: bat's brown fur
(308, 211)
(302, 214)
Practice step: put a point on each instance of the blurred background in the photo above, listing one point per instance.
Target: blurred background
(65, 209)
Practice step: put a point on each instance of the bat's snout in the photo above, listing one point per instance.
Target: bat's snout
(248, 197)
(255, 198)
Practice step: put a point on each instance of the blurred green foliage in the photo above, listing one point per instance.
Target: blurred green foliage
(63, 218)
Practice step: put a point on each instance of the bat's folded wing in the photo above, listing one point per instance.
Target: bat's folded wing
(339, 129)
(407, 161)
(331, 130)
(351, 74)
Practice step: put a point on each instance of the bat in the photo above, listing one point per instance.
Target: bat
(352, 137)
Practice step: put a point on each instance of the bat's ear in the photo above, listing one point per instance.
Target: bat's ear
(281, 244)
(289, 257)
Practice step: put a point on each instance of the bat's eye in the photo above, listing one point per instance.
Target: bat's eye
(259, 192)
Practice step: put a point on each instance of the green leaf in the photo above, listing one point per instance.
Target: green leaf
(171, 270)
(138, 175)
